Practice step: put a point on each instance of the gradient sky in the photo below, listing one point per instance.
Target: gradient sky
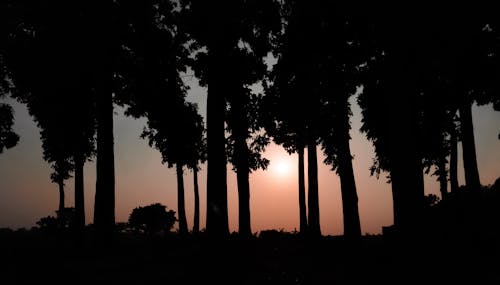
(26, 193)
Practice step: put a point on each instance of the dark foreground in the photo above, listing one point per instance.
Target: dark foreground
(279, 258)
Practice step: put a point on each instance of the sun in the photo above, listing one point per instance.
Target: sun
(282, 168)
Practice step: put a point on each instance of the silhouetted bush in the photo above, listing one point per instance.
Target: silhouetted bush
(152, 219)
(63, 220)
(49, 224)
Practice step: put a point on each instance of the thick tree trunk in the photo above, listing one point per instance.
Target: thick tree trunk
(408, 191)
(217, 214)
(196, 222)
(181, 208)
(313, 199)
(60, 183)
(302, 192)
(352, 227)
(104, 209)
(469, 148)
(454, 162)
(79, 193)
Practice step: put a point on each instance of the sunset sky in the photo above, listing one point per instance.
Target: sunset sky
(26, 193)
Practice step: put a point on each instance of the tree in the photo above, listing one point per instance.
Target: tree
(152, 219)
(8, 138)
(390, 104)
(294, 77)
(177, 136)
(218, 29)
(152, 58)
(41, 49)
(340, 74)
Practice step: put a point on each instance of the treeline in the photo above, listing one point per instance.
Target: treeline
(416, 76)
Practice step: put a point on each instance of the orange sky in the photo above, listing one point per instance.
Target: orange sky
(26, 193)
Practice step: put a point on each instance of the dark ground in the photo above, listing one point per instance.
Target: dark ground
(33, 257)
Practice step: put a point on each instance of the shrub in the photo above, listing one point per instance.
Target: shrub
(152, 219)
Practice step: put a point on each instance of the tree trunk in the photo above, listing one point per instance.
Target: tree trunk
(443, 177)
(60, 183)
(453, 162)
(217, 214)
(313, 199)
(242, 175)
(104, 209)
(79, 194)
(302, 192)
(352, 227)
(196, 222)
(469, 148)
(408, 190)
(181, 209)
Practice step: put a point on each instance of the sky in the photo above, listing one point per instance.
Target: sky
(26, 193)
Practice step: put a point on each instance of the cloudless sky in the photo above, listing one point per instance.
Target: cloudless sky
(26, 193)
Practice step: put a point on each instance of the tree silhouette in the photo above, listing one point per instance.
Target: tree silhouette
(152, 219)
(295, 77)
(8, 138)
(177, 137)
(340, 76)
(42, 49)
(256, 24)
(390, 118)
(152, 58)
(218, 29)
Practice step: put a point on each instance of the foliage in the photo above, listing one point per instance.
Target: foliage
(62, 221)
(152, 219)
(8, 138)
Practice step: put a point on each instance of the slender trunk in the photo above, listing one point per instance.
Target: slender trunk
(217, 214)
(241, 160)
(443, 177)
(242, 175)
(469, 148)
(312, 199)
(302, 192)
(79, 194)
(104, 209)
(196, 222)
(60, 183)
(181, 209)
(352, 227)
(453, 162)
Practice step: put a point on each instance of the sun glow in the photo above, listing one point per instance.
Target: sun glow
(282, 168)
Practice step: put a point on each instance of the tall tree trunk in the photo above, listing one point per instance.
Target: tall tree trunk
(313, 199)
(241, 158)
(302, 192)
(104, 209)
(79, 193)
(352, 227)
(217, 214)
(242, 175)
(181, 209)
(60, 183)
(196, 222)
(454, 162)
(408, 190)
(443, 177)
(469, 148)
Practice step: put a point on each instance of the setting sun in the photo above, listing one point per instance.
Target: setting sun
(282, 168)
